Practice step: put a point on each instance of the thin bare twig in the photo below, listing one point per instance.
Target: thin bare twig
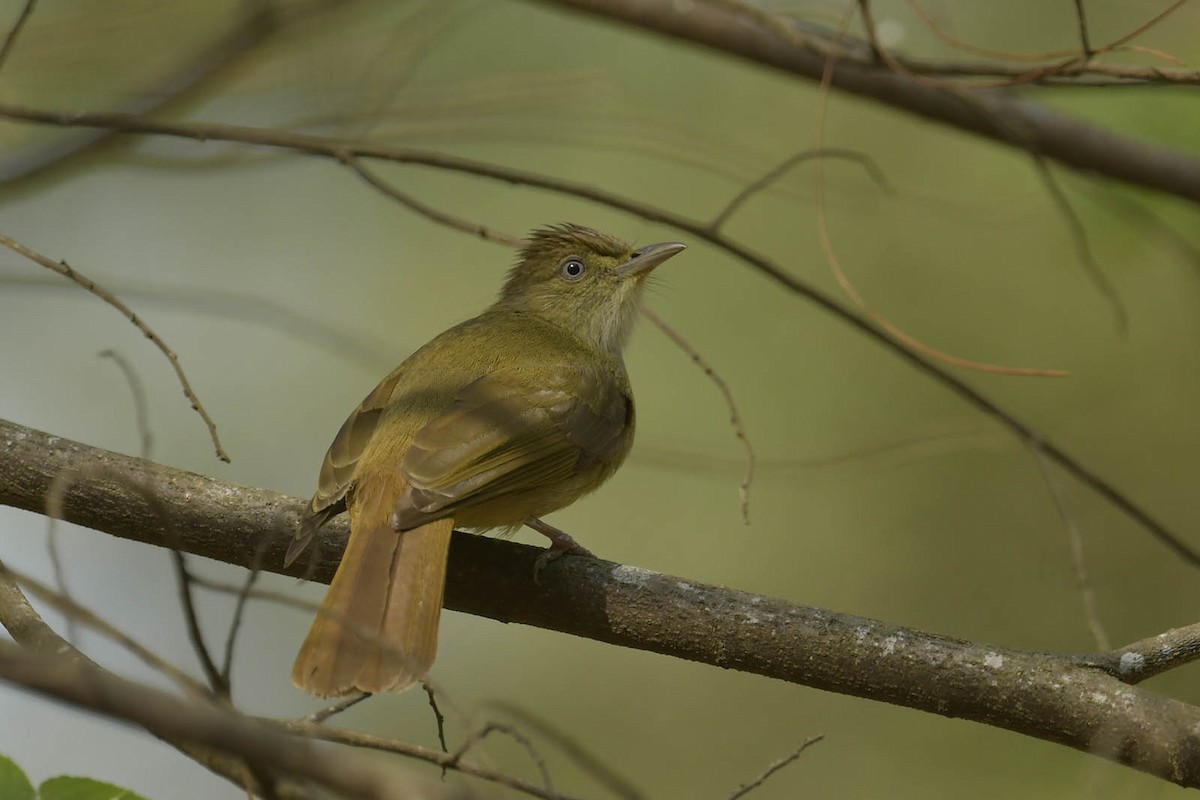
(1083, 248)
(59, 569)
(781, 169)
(347, 157)
(437, 715)
(604, 774)
(735, 417)
(69, 272)
(521, 739)
(884, 55)
(1084, 42)
(72, 609)
(67, 479)
(141, 408)
(1067, 140)
(1061, 67)
(317, 717)
(235, 624)
(437, 758)
(1075, 542)
(234, 304)
(1081, 68)
(1077, 230)
(774, 767)
(10, 40)
(218, 679)
(183, 576)
(1145, 26)
(445, 759)
(901, 337)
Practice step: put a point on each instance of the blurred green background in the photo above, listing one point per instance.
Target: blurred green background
(288, 287)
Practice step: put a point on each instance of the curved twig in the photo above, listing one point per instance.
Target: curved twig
(69, 272)
(1069, 141)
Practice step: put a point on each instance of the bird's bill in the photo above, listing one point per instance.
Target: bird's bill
(648, 257)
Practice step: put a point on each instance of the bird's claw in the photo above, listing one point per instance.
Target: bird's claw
(561, 544)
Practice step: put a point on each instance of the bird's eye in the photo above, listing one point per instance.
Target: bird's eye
(572, 269)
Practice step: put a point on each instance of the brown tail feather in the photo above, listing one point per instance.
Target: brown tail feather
(377, 629)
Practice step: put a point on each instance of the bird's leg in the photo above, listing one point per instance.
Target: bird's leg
(561, 544)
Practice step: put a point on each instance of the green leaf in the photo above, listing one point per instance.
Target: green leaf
(69, 788)
(14, 785)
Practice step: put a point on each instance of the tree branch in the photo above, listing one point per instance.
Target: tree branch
(1078, 701)
(29, 630)
(993, 115)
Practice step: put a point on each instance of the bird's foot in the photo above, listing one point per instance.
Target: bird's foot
(561, 544)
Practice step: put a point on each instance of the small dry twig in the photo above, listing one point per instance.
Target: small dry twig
(317, 717)
(69, 272)
(141, 408)
(1075, 542)
(604, 774)
(785, 166)
(435, 757)
(1084, 42)
(64, 481)
(239, 611)
(217, 681)
(902, 337)
(59, 569)
(1083, 247)
(437, 715)
(774, 767)
(521, 739)
(735, 417)
(71, 609)
(10, 40)
(347, 157)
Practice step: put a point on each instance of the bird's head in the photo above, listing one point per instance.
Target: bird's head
(585, 281)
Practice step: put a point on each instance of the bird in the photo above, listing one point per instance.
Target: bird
(493, 424)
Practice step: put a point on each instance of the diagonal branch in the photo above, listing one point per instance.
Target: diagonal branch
(994, 115)
(1084, 702)
(10, 40)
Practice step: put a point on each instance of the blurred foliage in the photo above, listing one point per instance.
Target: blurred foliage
(15, 785)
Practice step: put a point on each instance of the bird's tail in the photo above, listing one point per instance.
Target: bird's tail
(378, 624)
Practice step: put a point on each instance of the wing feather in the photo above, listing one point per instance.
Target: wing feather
(501, 436)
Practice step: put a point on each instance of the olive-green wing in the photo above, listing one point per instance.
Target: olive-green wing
(341, 460)
(503, 436)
